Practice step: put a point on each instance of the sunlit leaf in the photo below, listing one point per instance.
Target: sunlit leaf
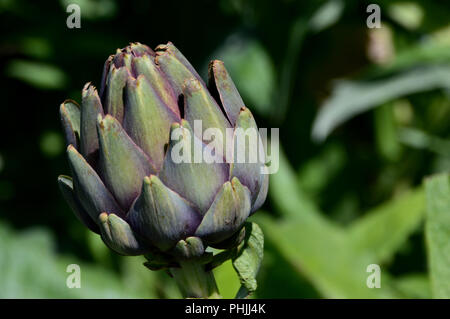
(437, 232)
(408, 13)
(382, 231)
(414, 286)
(324, 259)
(249, 258)
(40, 75)
(227, 280)
(333, 258)
(94, 9)
(350, 98)
(326, 15)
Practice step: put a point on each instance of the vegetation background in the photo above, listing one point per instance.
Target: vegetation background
(363, 116)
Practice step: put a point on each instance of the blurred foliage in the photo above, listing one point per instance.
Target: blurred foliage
(438, 233)
(363, 117)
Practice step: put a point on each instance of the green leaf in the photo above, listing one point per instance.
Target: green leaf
(227, 280)
(221, 257)
(382, 231)
(414, 286)
(278, 278)
(335, 259)
(408, 14)
(138, 278)
(437, 232)
(37, 74)
(93, 10)
(324, 259)
(350, 98)
(292, 202)
(326, 15)
(249, 258)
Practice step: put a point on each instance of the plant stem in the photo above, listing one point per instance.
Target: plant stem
(194, 281)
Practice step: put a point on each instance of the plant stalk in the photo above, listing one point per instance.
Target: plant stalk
(194, 281)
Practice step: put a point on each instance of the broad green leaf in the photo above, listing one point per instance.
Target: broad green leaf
(324, 259)
(291, 200)
(381, 231)
(350, 98)
(249, 258)
(278, 278)
(227, 280)
(437, 232)
(333, 258)
(414, 286)
(305, 235)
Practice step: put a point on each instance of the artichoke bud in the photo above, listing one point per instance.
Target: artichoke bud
(161, 215)
(132, 150)
(191, 248)
(70, 120)
(227, 213)
(221, 85)
(66, 187)
(118, 236)
(91, 106)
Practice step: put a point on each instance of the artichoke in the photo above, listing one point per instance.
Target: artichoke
(125, 184)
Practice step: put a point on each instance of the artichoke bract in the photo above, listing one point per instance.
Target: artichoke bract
(125, 184)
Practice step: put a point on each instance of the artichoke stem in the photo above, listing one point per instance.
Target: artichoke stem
(194, 281)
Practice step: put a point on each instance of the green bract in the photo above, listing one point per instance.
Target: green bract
(126, 186)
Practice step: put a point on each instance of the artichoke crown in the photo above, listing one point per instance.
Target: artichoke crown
(126, 186)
